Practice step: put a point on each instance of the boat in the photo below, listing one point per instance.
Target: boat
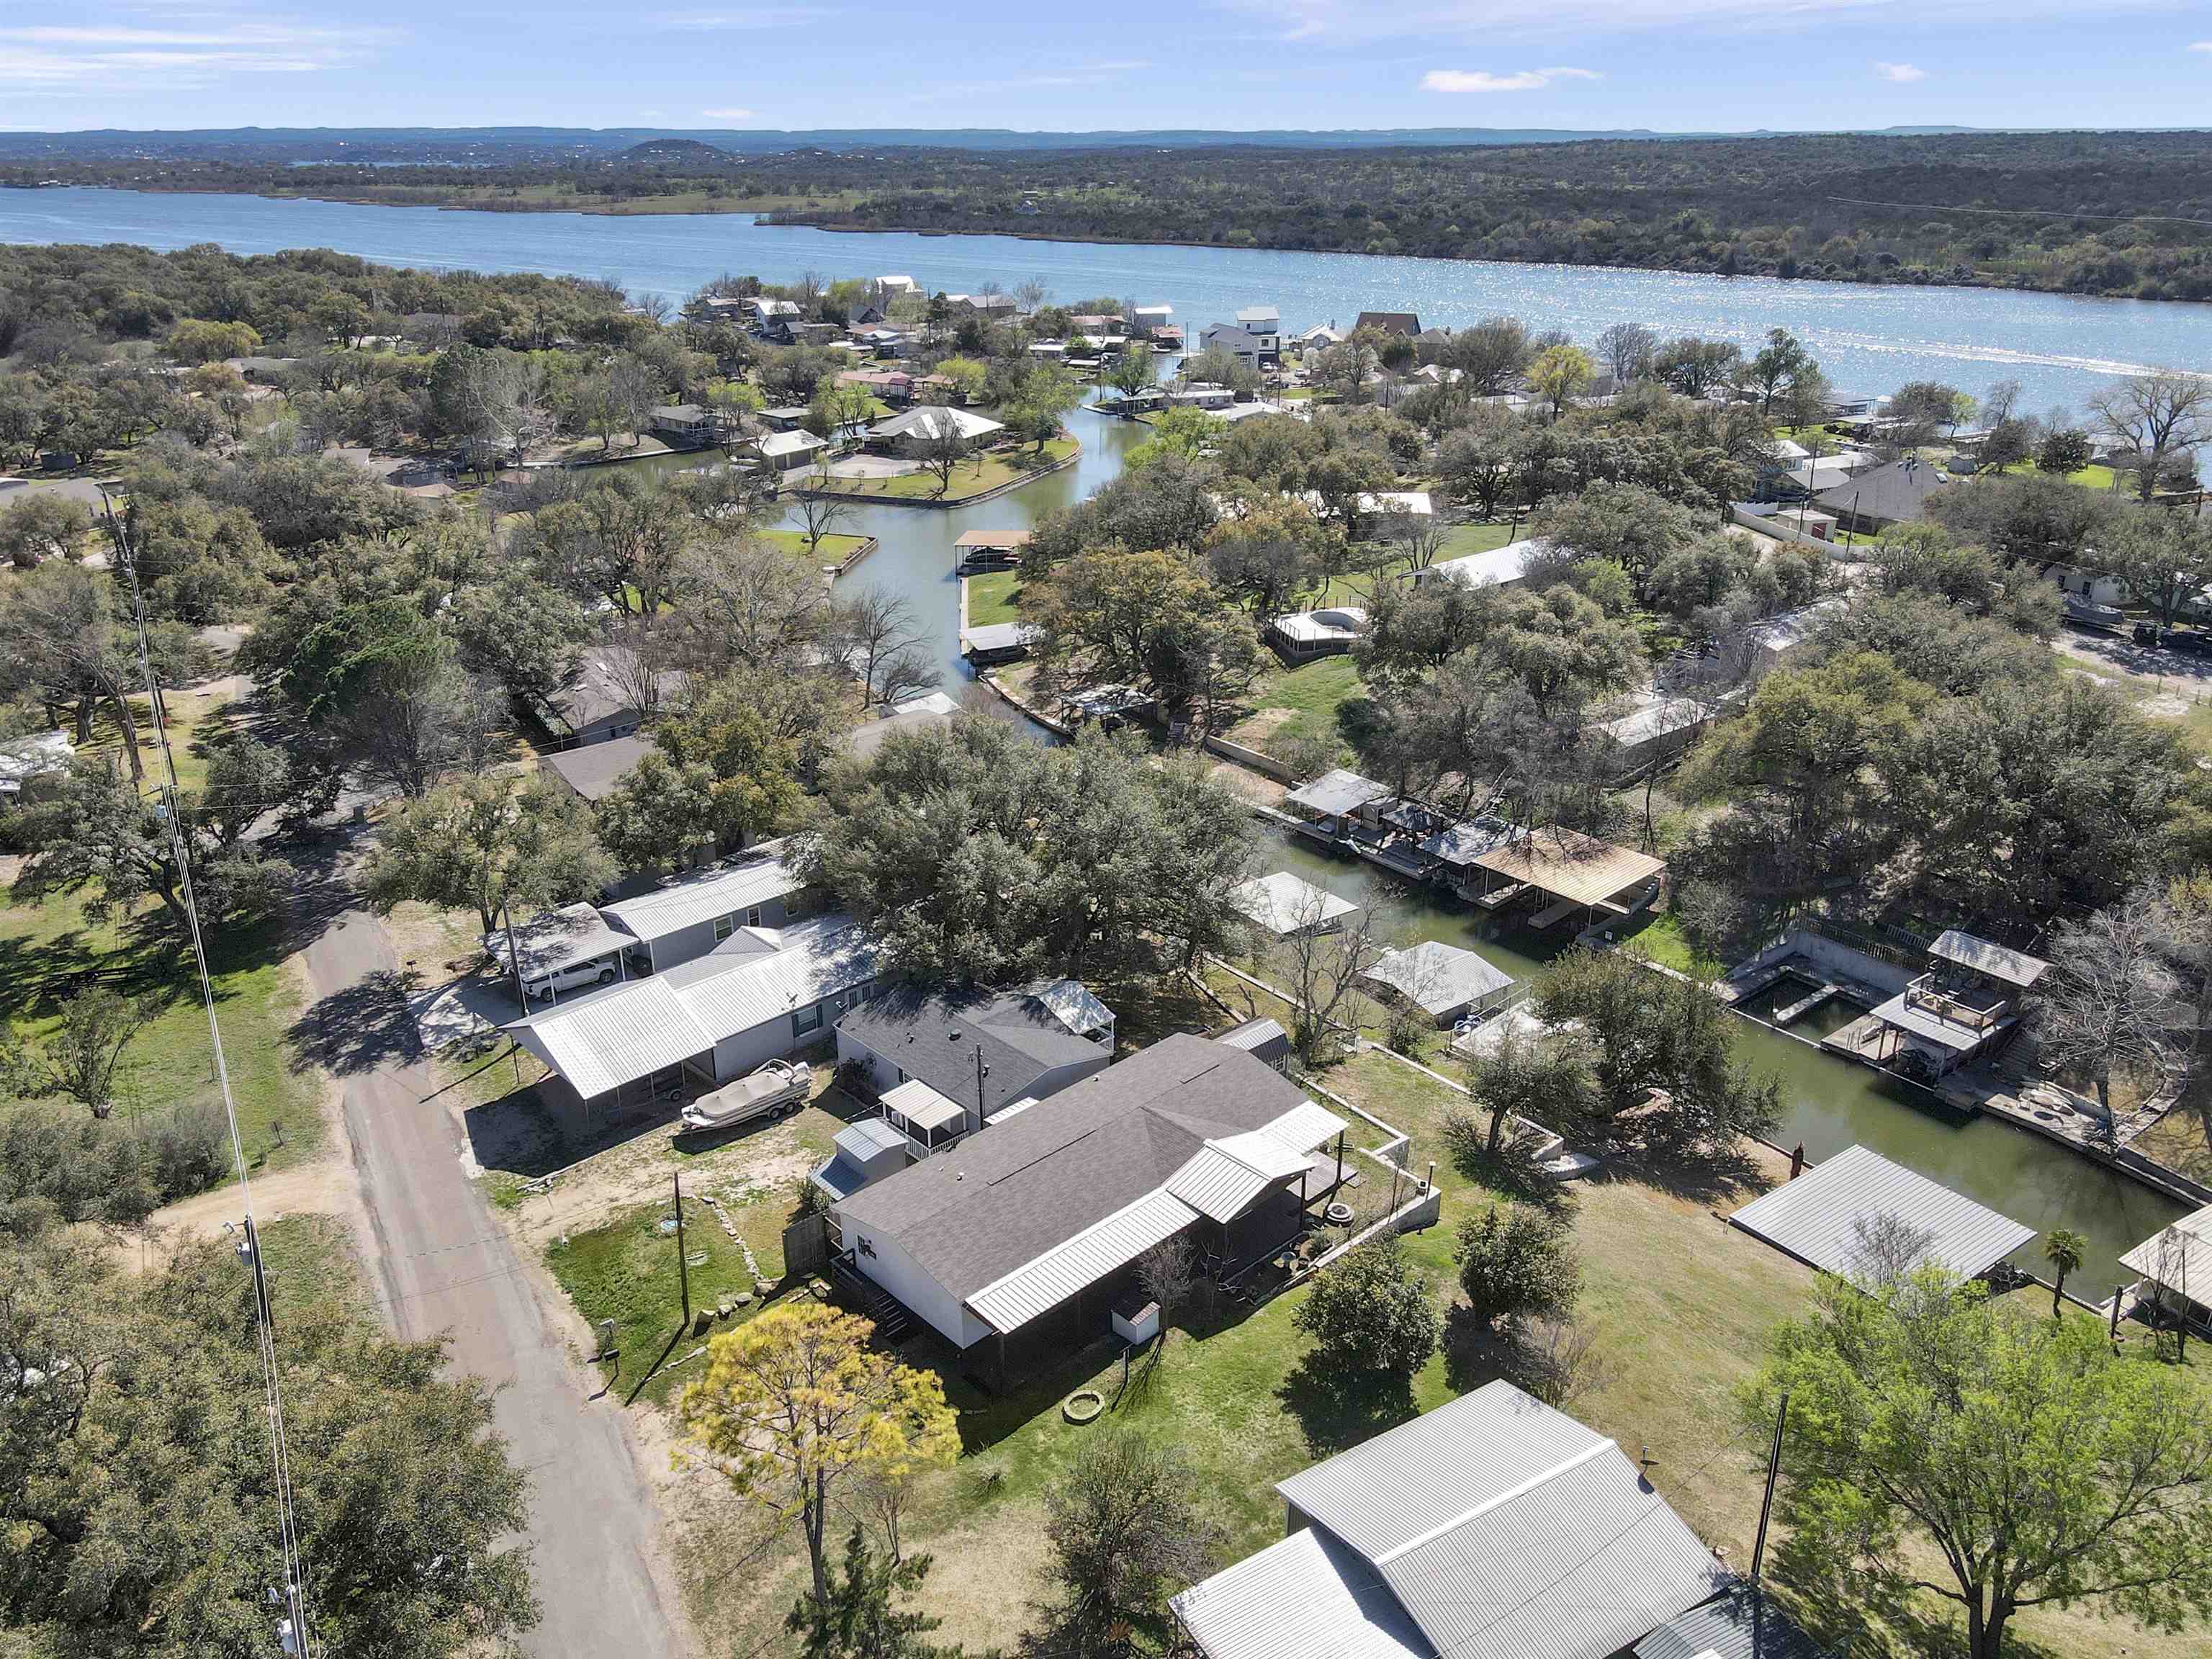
(779, 1087)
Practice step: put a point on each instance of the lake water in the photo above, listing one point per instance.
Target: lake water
(2059, 347)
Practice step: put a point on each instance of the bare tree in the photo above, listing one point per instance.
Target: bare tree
(1166, 1275)
(639, 658)
(1030, 293)
(822, 508)
(1325, 961)
(80, 1058)
(2109, 1000)
(1625, 350)
(1417, 537)
(881, 638)
(1559, 1361)
(2155, 417)
(747, 601)
(1885, 1249)
(941, 445)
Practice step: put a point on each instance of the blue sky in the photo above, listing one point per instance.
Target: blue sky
(1673, 64)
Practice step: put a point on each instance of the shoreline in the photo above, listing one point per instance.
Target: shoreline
(771, 218)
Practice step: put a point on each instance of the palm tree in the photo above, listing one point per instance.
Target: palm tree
(2063, 1248)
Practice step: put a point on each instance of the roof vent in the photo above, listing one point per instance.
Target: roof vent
(953, 1035)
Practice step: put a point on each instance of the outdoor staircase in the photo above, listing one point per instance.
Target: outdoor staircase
(892, 1321)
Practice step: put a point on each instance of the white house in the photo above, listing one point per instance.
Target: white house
(915, 431)
(1266, 323)
(687, 916)
(1499, 566)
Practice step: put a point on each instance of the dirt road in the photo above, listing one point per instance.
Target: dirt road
(442, 1264)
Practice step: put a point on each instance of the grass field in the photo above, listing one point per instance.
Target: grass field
(49, 950)
(986, 470)
(995, 596)
(833, 549)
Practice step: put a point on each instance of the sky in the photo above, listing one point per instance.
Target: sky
(1675, 65)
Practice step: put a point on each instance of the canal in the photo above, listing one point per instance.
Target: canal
(1827, 1103)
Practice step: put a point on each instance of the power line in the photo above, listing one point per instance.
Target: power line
(296, 1638)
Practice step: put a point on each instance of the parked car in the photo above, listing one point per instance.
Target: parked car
(548, 986)
(2188, 642)
(779, 1088)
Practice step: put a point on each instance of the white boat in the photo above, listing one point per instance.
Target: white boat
(778, 1087)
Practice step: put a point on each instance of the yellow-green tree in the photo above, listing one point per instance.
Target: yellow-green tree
(1560, 374)
(796, 1402)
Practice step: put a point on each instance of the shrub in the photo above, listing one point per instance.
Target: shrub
(1514, 1262)
(1370, 1313)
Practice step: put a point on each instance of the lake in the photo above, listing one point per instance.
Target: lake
(2059, 347)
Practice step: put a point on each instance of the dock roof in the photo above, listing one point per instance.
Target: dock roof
(1283, 904)
(1439, 977)
(2179, 1257)
(1999, 962)
(1818, 1217)
(1337, 791)
(1570, 865)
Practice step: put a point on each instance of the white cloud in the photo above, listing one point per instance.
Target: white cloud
(1484, 80)
(1900, 72)
(1315, 22)
(729, 115)
(747, 19)
(2200, 46)
(104, 57)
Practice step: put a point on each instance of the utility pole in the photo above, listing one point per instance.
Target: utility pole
(981, 1071)
(1766, 1503)
(682, 1268)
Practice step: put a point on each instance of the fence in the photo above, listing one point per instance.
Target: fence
(1267, 764)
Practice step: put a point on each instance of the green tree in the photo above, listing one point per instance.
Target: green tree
(861, 1618)
(1126, 1527)
(2063, 450)
(80, 1057)
(2065, 1250)
(40, 527)
(1633, 526)
(1548, 1079)
(483, 844)
(1370, 1313)
(1560, 374)
(1778, 365)
(965, 377)
(1134, 371)
(1517, 1262)
(198, 340)
(523, 633)
(1939, 1443)
(134, 1482)
(797, 1402)
(1046, 394)
(2163, 559)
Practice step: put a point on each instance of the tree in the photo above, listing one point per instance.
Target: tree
(1546, 1079)
(1268, 552)
(1125, 1529)
(2065, 450)
(521, 632)
(1490, 354)
(1165, 1273)
(1697, 368)
(136, 1495)
(1045, 394)
(1370, 1314)
(940, 445)
(197, 340)
(41, 528)
(822, 505)
(881, 641)
(1625, 350)
(80, 1058)
(1134, 371)
(64, 643)
(1918, 407)
(748, 603)
(795, 1403)
(1152, 619)
(481, 843)
(1928, 1423)
(1324, 964)
(2154, 418)
(861, 1618)
(1778, 365)
(1476, 465)
(1516, 1261)
(2109, 1000)
(1633, 526)
(2065, 1250)
(2163, 560)
(1560, 374)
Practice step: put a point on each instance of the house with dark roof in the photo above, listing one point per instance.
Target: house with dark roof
(1388, 322)
(1869, 502)
(943, 1064)
(1492, 1528)
(600, 702)
(1016, 1243)
(597, 769)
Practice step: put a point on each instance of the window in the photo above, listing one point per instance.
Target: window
(724, 926)
(806, 1019)
(753, 917)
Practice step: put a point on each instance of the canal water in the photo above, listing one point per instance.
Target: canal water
(1869, 339)
(1827, 1103)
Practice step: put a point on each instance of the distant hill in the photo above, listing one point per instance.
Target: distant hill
(687, 156)
(495, 146)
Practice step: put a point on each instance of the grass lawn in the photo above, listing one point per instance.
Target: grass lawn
(310, 1263)
(995, 596)
(987, 470)
(1291, 704)
(1662, 938)
(196, 719)
(835, 549)
(49, 951)
(2095, 476)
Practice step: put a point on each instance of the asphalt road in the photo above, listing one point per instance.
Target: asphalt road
(444, 1266)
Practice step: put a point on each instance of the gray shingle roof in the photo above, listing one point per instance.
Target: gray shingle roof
(936, 1038)
(1004, 1196)
(594, 769)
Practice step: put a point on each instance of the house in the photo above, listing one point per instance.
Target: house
(762, 309)
(1014, 1245)
(1966, 1004)
(601, 701)
(763, 994)
(1499, 567)
(685, 917)
(1284, 905)
(24, 758)
(2176, 1264)
(1155, 323)
(1265, 321)
(1207, 395)
(916, 432)
(1337, 802)
(929, 711)
(1302, 636)
(943, 1064)
(692, 425)
(1654, 728)
(989, 306)
(1319, 337)
(1773, 640)
(1445, 981)
(1388, 322)
(1825, 1218)
(897, 284)
(784, 418)
(784, 451)
(891, 385)
(554, 945)
(1817, 473)
(1492, 1527)
(1869, 502)
(1253, 350)
(596, 770)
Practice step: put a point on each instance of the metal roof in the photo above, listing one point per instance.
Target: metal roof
(1741, 1625)
(2179, 1257)
(1342, 1607)
(733, 992)
(1902, 1013)
(687, 901)
(1255, 1034)
(1306, 1125)
(922, 1106)
(1814, 1217)
(555, 940)
(1337, 791)
(1465, 842)
(1494, 568)
(1038, 1286)
(1503, 1529)
(614, 1037)
(1283, 904)
(1441, 978)
(933, 420)
(1222, 1176)
(1997, 961)
(868, 1137)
